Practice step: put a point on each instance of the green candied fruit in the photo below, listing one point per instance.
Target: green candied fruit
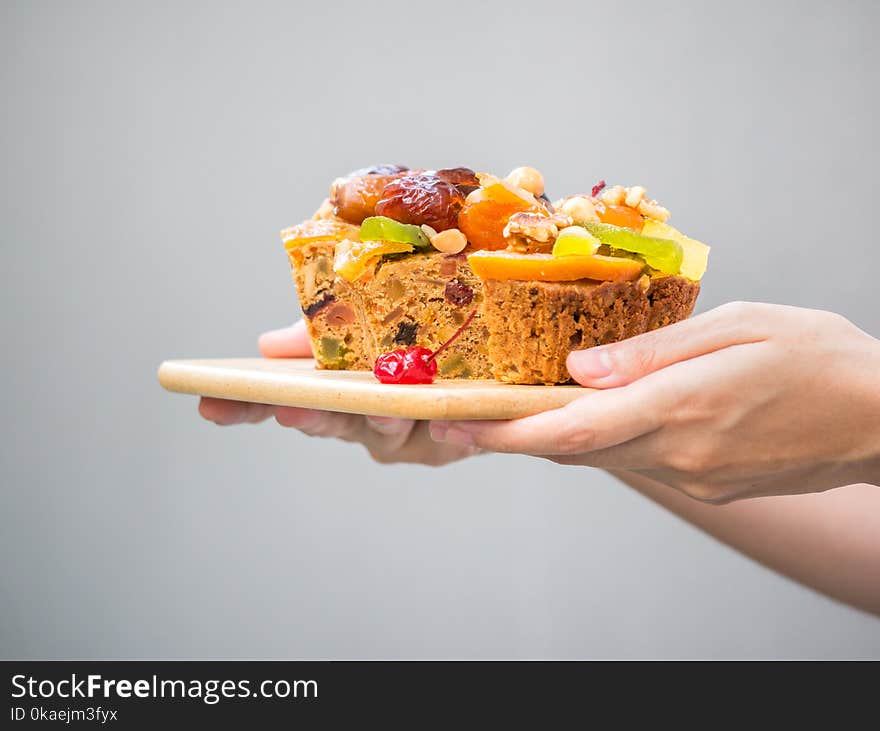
(332, 353)
(323, 266)
(663, 254)
(382, 228)
(454, 365)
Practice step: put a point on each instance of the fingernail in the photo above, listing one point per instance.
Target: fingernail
(591, 363)
(458, 436)
(437, 430)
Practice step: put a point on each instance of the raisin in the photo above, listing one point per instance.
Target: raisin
(458, 293)
(406, 333)
(421, 199)
(318, 305)
(464, 179)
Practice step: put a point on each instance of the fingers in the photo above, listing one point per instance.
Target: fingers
(225, 413)
(388, 440)
(596, 421)
(379, 434)
(617, 364)
(288, 342)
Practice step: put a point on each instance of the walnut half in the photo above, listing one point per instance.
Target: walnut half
(531, 233)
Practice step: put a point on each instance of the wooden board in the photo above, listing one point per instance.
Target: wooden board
(296, 382)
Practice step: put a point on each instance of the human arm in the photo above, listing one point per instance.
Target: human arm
(828, 541)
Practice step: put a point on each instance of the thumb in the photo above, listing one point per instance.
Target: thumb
(288, 342)
(621, 363)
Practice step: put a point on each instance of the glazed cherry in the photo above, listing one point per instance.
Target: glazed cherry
(415, 364)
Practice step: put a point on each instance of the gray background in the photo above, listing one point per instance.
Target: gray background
(152, 152)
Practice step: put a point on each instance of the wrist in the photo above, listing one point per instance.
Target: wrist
(870, 467)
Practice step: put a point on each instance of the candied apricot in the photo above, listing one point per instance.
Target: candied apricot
(620, 216)
(487, 211)
(422, 199)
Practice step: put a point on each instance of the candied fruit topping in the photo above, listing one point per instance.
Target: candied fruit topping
(354, 258)
(575, 241)
(421, 199)
(663, 254)
(696, 253)
(316, 230)
(487, 211)
(382, 228)
(506, 265)
(464, 179)
(382, 169)
(354, 197)
(622, 216)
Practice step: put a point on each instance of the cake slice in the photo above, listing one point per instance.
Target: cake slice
(332, 312)
(533, 326)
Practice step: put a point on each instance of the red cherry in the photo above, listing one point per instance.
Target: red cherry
(415, 364)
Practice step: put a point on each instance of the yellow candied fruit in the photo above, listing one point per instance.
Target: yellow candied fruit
(547, 268)
(575, 241)
(354, 258)
(696, 253)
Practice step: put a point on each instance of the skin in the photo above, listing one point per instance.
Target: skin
(745, 401)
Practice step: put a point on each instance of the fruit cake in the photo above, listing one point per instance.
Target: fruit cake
(415, 272)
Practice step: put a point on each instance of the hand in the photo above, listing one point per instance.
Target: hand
(387, 440)
(744, 400)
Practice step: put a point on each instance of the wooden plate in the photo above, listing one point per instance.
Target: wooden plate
(296, 382)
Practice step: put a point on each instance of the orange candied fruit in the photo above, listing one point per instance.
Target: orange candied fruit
(317, 230)
(487, 210)
(622, 216)
(506, 265)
